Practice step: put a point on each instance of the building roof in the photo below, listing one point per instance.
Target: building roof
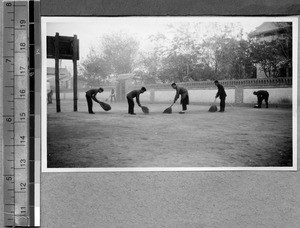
(124, 76)
(271, 28)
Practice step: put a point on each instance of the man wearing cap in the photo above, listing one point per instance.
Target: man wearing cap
(222, 94)
(91, 95)
(134, 94)
(184, 101)
(261, 95)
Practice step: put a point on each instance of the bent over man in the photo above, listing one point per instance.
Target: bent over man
(222, 94)
(91, 95)
(261, 95)
(134, 94)
(184, 101)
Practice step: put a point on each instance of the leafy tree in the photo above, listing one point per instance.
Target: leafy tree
(272, 56)
(194, 53)
(147, 69)
(119, 51)
(115, 55)
(94, 69)
(231, 60)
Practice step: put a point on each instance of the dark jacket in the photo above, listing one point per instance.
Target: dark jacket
(184, 94)
(92, 94)
(262, 94)
(221, 91)
(135, 94)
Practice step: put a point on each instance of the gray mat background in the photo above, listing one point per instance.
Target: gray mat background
(168, 199)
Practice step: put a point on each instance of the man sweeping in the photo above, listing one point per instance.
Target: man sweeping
(184, 101)
(91, 95)
(222, 94)
(134, 94)
(261, 95)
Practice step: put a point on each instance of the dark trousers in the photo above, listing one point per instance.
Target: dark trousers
(130, 105)
(89, 103)
(185, 101)
(260, 100)
(49, 95)
(222, 103)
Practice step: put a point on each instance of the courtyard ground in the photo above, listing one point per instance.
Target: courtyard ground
(239, 137)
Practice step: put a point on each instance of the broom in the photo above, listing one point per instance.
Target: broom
(107, 98)
(230, 104)
(169, 110)
(105, 106)
(213, 108)
(145, 109)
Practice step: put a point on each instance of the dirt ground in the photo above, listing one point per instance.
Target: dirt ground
(239, 137)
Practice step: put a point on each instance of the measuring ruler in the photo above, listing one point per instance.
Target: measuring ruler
(20, 145)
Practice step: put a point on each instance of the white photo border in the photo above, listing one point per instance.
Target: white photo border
(295, 40)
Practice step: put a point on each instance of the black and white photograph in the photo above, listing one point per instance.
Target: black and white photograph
(140, 113)
(169, 93)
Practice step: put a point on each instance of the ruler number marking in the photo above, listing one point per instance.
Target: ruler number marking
(23, 23)
(22, 92)
(23, 210)
(23, 115)
(22, 46)
(22, 70)
(8, 178)
(22, 140)
(23, 186)
(8, 119)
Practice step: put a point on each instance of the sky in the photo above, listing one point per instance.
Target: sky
(90, 29)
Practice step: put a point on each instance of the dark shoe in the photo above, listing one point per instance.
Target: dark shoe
(181, 112)
(221, 111)
(132, 114)
(91, 113)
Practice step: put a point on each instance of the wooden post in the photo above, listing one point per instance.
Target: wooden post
(57, 90)
(75, 53)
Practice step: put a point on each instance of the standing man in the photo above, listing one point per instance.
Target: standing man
(91, 95)
(184, 101)
(112, 96)
(261, 95)
(49, 95)
(134, 94)
(222, 94)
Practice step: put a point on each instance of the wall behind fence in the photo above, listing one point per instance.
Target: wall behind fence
(238, 91)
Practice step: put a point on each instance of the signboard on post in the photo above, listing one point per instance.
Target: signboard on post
(66, 45)
(63, 47)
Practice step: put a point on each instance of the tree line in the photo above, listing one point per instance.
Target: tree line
(189, 52)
